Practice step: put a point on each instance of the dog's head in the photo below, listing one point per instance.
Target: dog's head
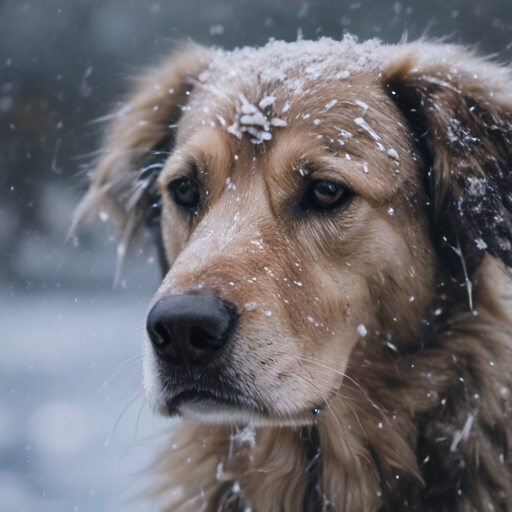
(307, 199)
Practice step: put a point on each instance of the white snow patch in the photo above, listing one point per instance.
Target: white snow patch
(245, 436)
(477, 186)
(342, 75)
(480, 244)
(234, 130)
(363, 105)
(391, 346)
(393, 154)
(462, 434)
(361, 329)
(266, 102)
(330, 105)
(275, 121)
(250, 119)
(256, 118)
(363, 124)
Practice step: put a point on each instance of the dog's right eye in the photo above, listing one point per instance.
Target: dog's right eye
(185, 193)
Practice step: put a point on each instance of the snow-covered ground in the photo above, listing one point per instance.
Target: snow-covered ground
(56, 413)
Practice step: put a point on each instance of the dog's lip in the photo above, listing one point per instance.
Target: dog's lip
(207, 406)
(195, 396)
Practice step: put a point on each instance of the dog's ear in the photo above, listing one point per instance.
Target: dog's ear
(138, 140)
(459, 109)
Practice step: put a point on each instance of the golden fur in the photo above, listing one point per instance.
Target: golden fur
(373, 349)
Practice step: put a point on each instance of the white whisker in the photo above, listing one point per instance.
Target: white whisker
(107, 442)
(118, 369)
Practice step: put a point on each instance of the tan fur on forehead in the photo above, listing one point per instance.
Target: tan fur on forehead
(372, 346)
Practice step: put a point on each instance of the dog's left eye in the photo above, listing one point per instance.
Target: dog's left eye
(327, 195)
(185, 193)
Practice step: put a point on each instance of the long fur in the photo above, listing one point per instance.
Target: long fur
(406, 356)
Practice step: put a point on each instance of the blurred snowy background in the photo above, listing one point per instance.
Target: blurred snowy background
(64, 330)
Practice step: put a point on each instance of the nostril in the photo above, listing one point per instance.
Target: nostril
(201, 340)
(160, 335)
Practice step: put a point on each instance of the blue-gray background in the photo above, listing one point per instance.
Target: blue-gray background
(64, 330)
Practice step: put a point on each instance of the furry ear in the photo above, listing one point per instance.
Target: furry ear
(459, 108)
(138, 141)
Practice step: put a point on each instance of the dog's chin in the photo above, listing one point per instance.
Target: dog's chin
(205, 408)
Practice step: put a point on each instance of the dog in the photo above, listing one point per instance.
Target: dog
(333, 222)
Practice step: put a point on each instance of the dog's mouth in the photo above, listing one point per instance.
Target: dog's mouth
(209, 406)
(206, 406)
(199, 398)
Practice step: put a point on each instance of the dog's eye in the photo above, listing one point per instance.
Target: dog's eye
(185, 193)
(327, 195)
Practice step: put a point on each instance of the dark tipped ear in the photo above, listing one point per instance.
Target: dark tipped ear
(459, 108)
(138, 140)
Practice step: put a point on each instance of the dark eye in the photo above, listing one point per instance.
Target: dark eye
(326, 195)
(185, 193)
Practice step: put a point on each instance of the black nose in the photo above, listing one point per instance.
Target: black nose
(190, 330)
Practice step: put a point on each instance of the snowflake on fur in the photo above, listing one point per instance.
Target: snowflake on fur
(255, 120)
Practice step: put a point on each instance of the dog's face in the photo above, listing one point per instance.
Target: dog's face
(295, 216)
(291, 245)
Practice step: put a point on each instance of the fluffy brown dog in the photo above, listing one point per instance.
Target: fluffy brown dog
(333, 325)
